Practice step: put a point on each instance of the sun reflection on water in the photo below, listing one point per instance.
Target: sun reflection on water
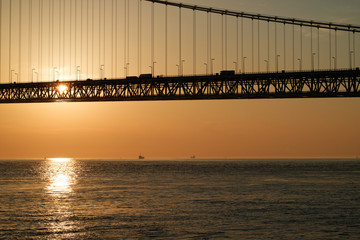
(60, 183)
(61, 175)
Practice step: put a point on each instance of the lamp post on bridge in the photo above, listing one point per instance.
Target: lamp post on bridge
(300, 64)
(351, 53)
(212, 66)
(153, 68)
(335, 67)
(244, 64)
(127, 69)
(178, 66)
(102, 71)
(206, 68)
(236, 67)
(267, 65)
(32, 76)
(313, 61)
(56, 72)
(78, 73)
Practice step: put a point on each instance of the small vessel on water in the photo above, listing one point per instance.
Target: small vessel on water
(141, 157)
(192, 157)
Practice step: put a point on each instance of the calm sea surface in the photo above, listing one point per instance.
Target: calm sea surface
(269, 199)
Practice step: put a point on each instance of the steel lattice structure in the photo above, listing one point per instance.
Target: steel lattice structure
(314, 84)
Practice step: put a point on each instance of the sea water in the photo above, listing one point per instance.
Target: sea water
(218, 199)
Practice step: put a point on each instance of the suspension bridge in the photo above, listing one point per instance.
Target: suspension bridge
(121, 50)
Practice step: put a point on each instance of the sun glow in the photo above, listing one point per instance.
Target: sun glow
(62, 88)
(60, 159)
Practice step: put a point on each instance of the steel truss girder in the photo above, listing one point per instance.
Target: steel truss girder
(315, 84)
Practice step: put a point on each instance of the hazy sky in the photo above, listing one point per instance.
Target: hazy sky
(177, 129)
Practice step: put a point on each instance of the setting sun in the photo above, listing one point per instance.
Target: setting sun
(62, 88)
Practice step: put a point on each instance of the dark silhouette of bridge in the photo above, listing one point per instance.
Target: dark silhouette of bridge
(319, 84)
(283, 81)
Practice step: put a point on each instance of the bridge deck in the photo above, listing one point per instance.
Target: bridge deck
(314, 84)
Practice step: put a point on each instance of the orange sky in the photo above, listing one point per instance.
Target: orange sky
(175, 129)
(209, 129)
